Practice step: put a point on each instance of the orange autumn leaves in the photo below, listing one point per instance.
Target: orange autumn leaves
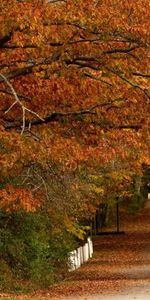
(83, 67)
(12, 198)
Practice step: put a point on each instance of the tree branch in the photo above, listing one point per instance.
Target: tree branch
(17, 101)
(29, 68)
(133, 84)
(118, 126)
(119, 50)
(56, 116)
(17, 73)
(4, 39)
(82, 64)
(141, 74)
(97, 78)
(54, 1)
(19, 95)
(14, 46)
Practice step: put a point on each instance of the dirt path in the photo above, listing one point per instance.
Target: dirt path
(120, 268)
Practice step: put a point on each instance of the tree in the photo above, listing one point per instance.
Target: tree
(74, 96)
(75, 85)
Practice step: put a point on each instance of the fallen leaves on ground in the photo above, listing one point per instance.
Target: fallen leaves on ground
(120, 262)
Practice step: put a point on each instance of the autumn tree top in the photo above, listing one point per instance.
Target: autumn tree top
(74, 81)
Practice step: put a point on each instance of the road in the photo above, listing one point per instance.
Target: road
(119, 269)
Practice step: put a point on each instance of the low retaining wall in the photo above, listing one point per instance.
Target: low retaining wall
(81, 255)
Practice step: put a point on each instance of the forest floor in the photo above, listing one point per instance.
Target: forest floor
(119, 269)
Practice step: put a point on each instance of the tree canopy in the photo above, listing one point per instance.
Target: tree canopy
(74, 88)
(74, 126)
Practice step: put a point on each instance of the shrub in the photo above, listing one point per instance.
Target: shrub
(31, 250)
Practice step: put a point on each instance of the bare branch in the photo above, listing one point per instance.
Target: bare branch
(11, 88)
(43, 182)
(17, 101)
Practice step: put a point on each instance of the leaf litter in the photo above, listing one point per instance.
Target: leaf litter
(121, 263)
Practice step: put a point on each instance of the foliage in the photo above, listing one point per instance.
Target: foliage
(82, 75)
(31, 250)
(74, 114)
(75, 85)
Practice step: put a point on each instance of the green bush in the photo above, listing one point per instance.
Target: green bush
(31, 250)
